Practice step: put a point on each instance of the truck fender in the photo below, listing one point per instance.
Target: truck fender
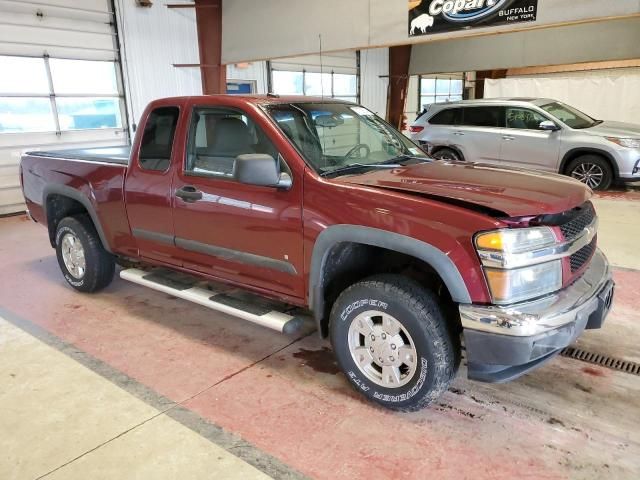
(81, 198)
(426, 252)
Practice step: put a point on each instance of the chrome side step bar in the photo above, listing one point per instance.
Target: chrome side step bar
(196, 291)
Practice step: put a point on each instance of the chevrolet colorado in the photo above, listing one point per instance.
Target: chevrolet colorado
(318, 205)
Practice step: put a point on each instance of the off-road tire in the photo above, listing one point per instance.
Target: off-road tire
(584, 161)
(100, 264)
(419, 312)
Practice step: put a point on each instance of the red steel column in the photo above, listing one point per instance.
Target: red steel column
(399, 58)
(209, 25)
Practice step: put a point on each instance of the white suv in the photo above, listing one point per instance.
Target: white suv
(533, 133)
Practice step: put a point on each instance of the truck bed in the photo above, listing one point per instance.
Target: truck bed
(117, 154)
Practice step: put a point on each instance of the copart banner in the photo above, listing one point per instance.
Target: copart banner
(437, 16)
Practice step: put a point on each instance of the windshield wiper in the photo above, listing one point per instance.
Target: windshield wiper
(359, 166)
(404, 158)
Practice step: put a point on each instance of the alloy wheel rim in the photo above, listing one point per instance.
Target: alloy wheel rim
(446, 156)
(382, 349)
(589, 173)
(73, 255)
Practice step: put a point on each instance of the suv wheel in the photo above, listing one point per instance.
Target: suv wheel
(391, 340)
(447, 154)
(84, 262)
(592, 170)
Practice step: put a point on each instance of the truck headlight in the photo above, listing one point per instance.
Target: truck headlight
(513, 265)
(517, 240)
(625, 142)
(511, 286)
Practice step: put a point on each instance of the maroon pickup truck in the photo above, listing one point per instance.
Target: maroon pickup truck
(270, 208)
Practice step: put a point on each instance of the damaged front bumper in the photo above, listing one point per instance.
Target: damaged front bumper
(504, 342)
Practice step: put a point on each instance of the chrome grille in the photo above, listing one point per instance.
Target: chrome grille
(574, 227)
(582, 256)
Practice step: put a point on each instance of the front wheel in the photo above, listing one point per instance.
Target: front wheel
(592, 170)
(391, 340)
(84, 262)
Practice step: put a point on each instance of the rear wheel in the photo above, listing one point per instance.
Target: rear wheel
(84, 262)
(447, 154)
(391, 340)
(592, 170)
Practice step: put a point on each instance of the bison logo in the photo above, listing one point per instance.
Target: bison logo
(421, 23)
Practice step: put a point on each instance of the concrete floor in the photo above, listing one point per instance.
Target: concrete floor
(132, 383)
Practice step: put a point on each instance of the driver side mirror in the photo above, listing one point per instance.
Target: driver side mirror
(260, 169)
(548, 125)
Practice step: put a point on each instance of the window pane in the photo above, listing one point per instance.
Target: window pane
(428, 86)
(218, 136)
(157, 139)
(484, 116)
(523, 118)
(344, 85)
(442, 86)
(81, 113)
(81, 76)
(450, 116)
(26, 115)
(23, 75)
(287, 83)
(456, 87)
(427, 100)
(317, 84)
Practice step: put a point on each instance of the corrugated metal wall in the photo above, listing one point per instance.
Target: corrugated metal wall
(152, 40)
(374, 80)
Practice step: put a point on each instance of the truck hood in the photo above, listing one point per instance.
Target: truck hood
(499, 191)
(615, 129)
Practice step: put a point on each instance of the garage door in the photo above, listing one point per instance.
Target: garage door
(334, 75)
(60, 83)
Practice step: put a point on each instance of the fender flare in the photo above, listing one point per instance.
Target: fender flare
(426, 252)
(578, 151)
(81, 198)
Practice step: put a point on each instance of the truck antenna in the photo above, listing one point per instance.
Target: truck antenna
(321, 69)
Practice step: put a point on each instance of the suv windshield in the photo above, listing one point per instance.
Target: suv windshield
(569, 115)
(339, 137)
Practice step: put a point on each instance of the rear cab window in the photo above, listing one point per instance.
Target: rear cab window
(157, 139)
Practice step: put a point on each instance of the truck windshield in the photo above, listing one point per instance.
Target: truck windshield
(569, 115)
(339, 137)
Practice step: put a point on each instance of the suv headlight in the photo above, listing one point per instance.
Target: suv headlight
(625, 142)
(510, 267)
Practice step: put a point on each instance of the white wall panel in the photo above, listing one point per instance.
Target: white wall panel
(602, 94)
(152, 40)
(374, 80)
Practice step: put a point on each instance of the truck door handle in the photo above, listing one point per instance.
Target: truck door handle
(458, 133)
(508, 137)
(189, 194)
